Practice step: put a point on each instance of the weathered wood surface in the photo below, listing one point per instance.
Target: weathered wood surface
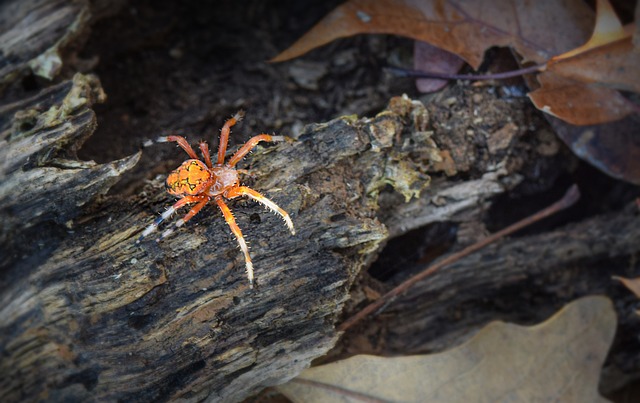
(92, 315)
(548, 269)
(87, 314)
(35, 33)
(521, 280)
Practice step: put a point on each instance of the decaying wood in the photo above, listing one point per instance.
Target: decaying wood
(35, 33)
(538, 273)
(97, 316)
(558, 266)
(41, 179)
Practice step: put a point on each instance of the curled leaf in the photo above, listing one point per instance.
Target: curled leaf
(537, 30)
(581, 86)
(608, 28)
(632, 284)
(577, 102)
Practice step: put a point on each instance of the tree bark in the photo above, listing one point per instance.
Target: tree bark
(90, 309)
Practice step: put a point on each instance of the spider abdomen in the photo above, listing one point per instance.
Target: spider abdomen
(190, 178)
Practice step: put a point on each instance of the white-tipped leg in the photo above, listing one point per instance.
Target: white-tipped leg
(245, 191)
(274, 207)
(244, 248)
(201, 202)
(231, 221)
(239, 115)
(249, 145)
(185, 200)
(182, 142)
(151, 228)
(247, 261)
(170, 230)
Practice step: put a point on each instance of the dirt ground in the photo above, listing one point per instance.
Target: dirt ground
(185, 67)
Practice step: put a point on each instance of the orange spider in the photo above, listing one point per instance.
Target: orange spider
(197, 182)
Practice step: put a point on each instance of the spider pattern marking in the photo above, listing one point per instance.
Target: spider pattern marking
(200, 182)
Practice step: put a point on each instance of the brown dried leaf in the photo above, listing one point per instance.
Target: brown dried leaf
(614, 65)
(613, 147)
(633, 284)
(558, 360)
(537, 30)
(577, 102)
(580, 86)
(608, 58)
(608, 28)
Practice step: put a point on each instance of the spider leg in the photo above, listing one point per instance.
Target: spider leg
(248, 146)
(151, 228)
(182, 142)
(204, 149)
(224, 135)
(202, 201)
(228, 217)
(245, 191)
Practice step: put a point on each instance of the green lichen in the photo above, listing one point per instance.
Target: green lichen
(84, 92)
(48, 64)
(397, 168)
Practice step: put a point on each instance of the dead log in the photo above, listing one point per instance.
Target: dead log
(176, 319)
(546, 270)
(36, 35)
(521, 280)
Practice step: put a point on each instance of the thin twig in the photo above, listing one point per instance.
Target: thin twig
(340, 391)
(400, 72)
(570, 197)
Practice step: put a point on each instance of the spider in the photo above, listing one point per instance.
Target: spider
(200, 182)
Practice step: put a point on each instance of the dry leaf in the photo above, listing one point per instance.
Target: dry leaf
(633, 284)
(580, 86)
(577, 102)
(537, 30)
(427, 57)
(608, 29)
(613, 148)
(558, 360)
(614, 65)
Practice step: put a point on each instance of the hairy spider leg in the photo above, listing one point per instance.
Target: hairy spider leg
(202, 201)
(224, 135)
(151, 228)
(245, 191)
(182, 142)
(248, 146)
(204, 149)
(228, 217)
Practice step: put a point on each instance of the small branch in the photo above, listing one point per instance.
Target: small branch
(340, 391)
(571, 196)
(400, 72)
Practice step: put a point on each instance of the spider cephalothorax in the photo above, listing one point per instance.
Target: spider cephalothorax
(198, 181)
